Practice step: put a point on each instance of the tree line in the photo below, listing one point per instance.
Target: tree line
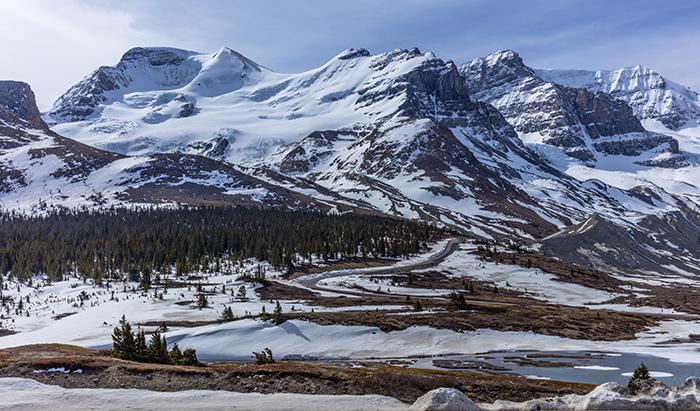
(123, 243)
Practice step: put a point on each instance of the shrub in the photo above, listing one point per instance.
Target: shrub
(456, 302)
(264, 357)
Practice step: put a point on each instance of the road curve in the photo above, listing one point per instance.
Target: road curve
(311, 280)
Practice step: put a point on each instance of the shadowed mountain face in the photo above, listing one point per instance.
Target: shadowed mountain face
(600, 243)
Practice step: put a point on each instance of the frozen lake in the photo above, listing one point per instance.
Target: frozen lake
(576, 366)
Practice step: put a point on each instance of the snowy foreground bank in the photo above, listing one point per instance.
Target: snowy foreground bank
(26, 394)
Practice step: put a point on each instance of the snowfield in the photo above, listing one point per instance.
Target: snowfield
(56, 315)
(236, 340)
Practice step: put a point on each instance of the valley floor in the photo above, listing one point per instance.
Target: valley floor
(391, 312)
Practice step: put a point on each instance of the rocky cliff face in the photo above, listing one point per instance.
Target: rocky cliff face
(651, 96)
(580, 122)
(18, 100)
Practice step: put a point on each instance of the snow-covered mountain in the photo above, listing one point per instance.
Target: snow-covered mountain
(40, 169)
(585, 125)
(398, 132)
(664, 103)
(220, 104)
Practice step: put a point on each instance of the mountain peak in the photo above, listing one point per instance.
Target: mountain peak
(225, 49)
(156, 56)
(227, 56)
(496, 69)
(510, 59)
(352, 53)
(18, 98)
(503, 55)
(664, 103)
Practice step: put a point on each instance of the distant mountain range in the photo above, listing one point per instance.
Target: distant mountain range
(492, 147)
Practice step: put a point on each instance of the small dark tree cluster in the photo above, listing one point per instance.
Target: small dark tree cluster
(456, 302)
(227, 315)
(277, 317)
(202, 301)
(264, 357)
(130, 345)
(256, 278)
(417, 306)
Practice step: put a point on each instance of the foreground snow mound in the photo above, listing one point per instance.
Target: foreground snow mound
(613, 396)
(444, 399)
(25, 394)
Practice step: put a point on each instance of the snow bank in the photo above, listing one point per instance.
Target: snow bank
(236, 341)
(26, 394)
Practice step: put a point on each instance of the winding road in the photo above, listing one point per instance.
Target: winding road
(312, 280)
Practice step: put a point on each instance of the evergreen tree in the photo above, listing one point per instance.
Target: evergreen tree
(277, 317)
(175, 355)
(227, 315)
(639, 379)
(264, 357)
(141, 347)
(417, 306)
(189, 357)
(456, 302)
(123, 341)
(202, 301)
(158, 349)
(241, 294)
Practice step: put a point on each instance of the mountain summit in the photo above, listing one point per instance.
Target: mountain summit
(584, 124)
(663, 103)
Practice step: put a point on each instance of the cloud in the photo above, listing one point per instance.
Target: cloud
(52, 45)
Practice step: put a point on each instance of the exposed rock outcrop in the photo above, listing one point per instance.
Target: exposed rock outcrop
(574, 119)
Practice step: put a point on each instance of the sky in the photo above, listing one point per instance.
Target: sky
(54, 44)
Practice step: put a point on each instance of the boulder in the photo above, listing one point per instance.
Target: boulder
(444, 399)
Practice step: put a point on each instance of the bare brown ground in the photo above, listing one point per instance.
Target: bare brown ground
(406, 384)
